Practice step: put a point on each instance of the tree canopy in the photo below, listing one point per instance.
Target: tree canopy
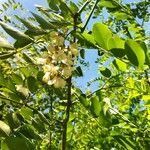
(42, 55)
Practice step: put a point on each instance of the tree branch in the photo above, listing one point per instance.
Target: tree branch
(69, 102)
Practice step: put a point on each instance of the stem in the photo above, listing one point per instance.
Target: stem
(69, 102)
(84, 5)
(64, 134)
(87, 21)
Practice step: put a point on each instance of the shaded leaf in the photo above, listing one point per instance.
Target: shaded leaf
(22, 38)
(43, 23)
(135, 53)
(32, 29)
(17, 143)
(105, 72)
(32, 84)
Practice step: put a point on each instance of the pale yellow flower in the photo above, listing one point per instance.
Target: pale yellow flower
(46, 77)
(22, 90)
(51, 49)
(51, 68)
(41, 61)
(56, 39)
(67, 71)
(67, 61)
(53, 34)
(74, 49)
(59, 82)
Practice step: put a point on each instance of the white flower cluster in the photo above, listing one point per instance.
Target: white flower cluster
(58, 64)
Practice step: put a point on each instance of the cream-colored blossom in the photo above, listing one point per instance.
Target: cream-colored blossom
(56, 39)
(53, 34)
(46, 77)
(51, 49)
(59, 82)
(48, 68)
(22, 89)
(67, 71)
(74, 49)
(41, 61)
(67, 61)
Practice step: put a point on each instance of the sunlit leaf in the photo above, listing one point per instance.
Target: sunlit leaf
(101, 35)
(95, 105)
(120, 65)
(4, 129)
(5, 44)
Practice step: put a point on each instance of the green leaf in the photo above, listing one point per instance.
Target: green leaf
(32, 84)
(29, 132)
(53, 4)
(105, 72)
(2, 79)
(73, 7)
(118, 52)
(16, 34)
(147, 56)
(17, 79)
(28, 59)
(86, 39)
(82, 53)
(26, 113)
(32, 29)
(115, 42)
(78, 72)
(17, 143)
(125, 142)
(5, 44)
(7, 55)
(43, 23)
(4, 129)
(12, 120)
(108, 4)
(135, 53)
(43, 118)
(101, 35)
(120, 65)
(95, 105)
(121, 15)
(116, 46)
(29, 71)
(84, 101)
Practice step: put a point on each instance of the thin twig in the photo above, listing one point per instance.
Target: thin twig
(84, 5)
(87, 21)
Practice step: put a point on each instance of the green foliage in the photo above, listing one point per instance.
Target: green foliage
(39, 116)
